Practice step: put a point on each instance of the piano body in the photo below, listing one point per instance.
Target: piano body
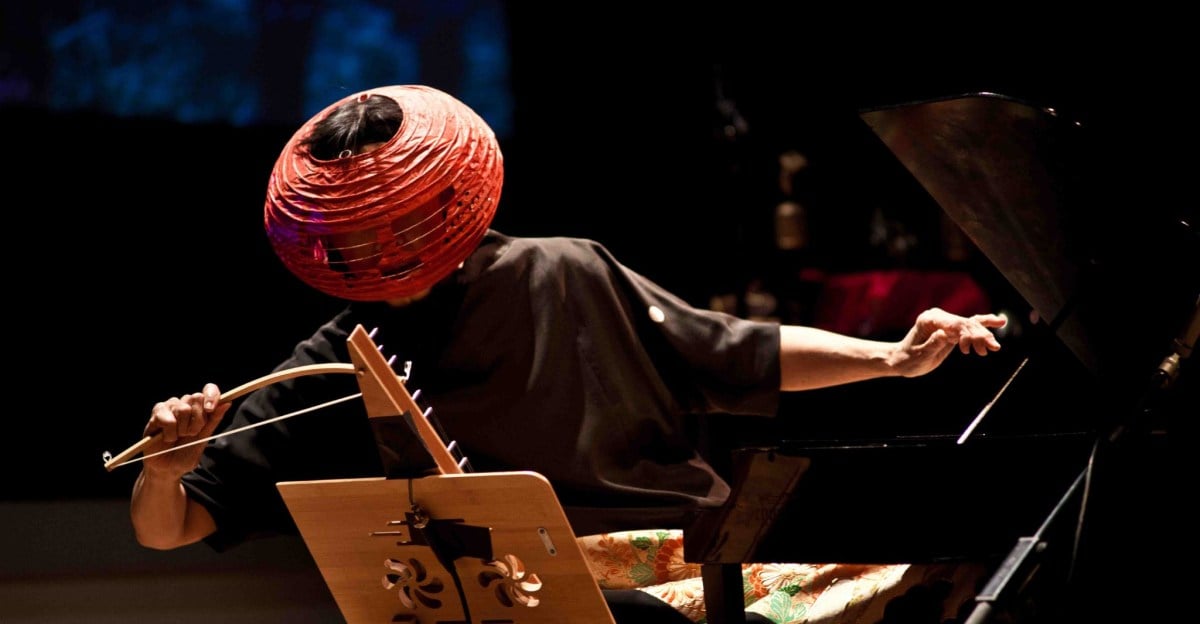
(1059, 479)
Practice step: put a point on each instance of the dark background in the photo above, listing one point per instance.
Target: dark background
(138, 269)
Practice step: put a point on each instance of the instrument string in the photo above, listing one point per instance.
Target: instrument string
(268, 421)
(987, 408)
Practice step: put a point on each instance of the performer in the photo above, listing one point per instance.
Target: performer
(542, 354)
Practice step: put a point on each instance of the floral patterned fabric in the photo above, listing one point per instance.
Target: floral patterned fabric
(785, 593)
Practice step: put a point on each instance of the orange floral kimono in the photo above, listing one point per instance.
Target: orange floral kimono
(785, 593)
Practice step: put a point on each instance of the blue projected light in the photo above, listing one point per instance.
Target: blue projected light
(245, 63)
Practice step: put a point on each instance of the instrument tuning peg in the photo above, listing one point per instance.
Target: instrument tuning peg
(464, 463)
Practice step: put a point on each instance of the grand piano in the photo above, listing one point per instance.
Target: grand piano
(1058, 477)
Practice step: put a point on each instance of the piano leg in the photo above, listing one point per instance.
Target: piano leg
(724, 601)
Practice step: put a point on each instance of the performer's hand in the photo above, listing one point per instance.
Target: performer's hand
(936, 333)
(179, 421)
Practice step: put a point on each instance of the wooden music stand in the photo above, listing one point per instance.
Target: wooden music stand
(504, 535)
(454, 547)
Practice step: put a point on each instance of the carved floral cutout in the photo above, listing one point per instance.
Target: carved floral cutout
(512, 585)
(415, 585)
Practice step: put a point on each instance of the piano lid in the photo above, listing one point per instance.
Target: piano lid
(1050, 205)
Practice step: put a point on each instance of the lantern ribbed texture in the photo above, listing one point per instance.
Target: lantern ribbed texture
(443, 154)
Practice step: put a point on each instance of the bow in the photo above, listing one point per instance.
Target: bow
(383, 394)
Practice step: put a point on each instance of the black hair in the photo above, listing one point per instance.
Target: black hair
(373, 119)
